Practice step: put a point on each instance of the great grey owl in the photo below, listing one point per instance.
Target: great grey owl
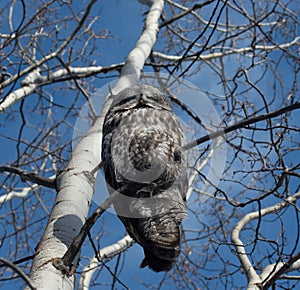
(141, 160)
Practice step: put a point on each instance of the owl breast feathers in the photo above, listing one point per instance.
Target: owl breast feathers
(142, 162)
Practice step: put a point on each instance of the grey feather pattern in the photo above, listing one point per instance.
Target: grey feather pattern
(141, 160)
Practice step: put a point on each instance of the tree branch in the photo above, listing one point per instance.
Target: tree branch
(34, 80)
(135, 61)
(242, 124)
(65, 264)
(53, 54)
(26, 175)
(18, 271)
(225, 52)
(277, 270)
(107, 252)
(254, 280)
(187, 11)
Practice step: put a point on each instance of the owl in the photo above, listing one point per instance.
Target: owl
(142, 162)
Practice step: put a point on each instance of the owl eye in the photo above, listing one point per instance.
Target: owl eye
(159, 100)
(126, 100)
(177, 156)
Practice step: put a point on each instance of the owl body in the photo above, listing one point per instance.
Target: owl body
(142, 161)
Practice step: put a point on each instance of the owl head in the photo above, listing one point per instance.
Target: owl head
(140, 96)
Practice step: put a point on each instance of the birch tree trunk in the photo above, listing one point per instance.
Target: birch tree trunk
(75, 184)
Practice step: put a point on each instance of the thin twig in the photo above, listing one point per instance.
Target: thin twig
(239, 125)
(53, 54)
(19, 272)
(182, 14)
(26, 175)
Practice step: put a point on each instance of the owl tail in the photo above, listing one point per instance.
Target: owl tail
(156, 264)
(162, 245)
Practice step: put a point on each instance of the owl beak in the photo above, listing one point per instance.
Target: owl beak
(142, 99)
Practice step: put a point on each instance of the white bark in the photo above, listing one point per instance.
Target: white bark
(13, 193)
(256, 281)
(229, 51)
(107, 252)
(271, 270)
(16, 96)
(75, 183)
(75, 191)
(34, 80)
(52, 55)
(135, 61)
(21, 194)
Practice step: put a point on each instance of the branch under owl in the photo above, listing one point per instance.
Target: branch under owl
(65, 264)
(242, 124)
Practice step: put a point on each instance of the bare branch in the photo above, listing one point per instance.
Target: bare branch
(274, 272)
(53, 54)
(26, 175)
(135, 61)
(225, 52)
(242, 124)
(9, 264)
(66, 262)
(107, 252)
(254, 280)
(184, 13)
(34, 80)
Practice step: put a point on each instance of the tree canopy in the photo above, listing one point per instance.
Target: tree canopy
(231, 70)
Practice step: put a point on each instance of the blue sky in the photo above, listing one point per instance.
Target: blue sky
(124, 20)
(125, 23)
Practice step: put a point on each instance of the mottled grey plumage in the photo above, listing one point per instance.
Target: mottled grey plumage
(141, 138)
